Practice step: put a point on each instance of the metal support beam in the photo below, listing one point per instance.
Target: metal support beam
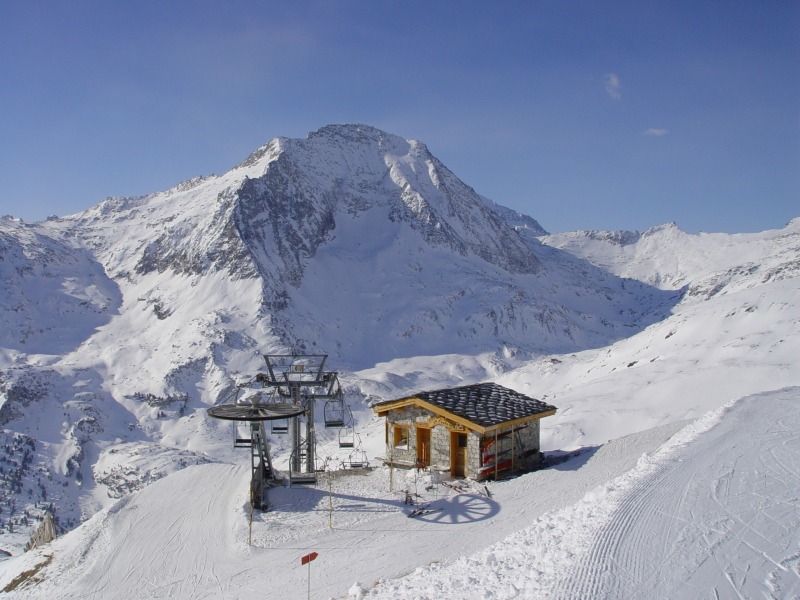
(310, 450)
(261, 466)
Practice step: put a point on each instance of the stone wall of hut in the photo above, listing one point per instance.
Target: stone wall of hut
(521, 454)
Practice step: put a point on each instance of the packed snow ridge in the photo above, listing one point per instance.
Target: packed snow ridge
(122, 324)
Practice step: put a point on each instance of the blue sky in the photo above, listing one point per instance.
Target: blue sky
(585, 115)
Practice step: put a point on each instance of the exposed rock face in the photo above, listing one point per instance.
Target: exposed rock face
(287, 213)
(129, 467)
(28, 386)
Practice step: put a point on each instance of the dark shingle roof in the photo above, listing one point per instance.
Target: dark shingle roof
(485, 404)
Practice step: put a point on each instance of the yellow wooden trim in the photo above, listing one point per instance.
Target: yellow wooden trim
(384, 408)
(396, 427)
(445, 422)
(449, 416)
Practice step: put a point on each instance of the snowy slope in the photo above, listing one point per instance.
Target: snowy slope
(122, 551)
(716, 516)
(592, 527)
(731, 335)
(713, 347)
(52, 294)
(699, 358)
(122, 324)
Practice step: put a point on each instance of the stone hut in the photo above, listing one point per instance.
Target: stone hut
(481, 431)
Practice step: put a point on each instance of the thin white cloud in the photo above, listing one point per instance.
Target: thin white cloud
(613, 85)
(655, 131)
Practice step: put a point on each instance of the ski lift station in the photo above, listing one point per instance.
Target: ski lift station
(480, 431)
(286, 397)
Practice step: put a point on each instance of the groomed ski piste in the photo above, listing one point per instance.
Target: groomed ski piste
(705, 508)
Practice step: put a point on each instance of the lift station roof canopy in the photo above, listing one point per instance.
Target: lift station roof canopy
(255, 412)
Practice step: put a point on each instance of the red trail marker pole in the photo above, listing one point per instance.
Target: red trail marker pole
(306, 560)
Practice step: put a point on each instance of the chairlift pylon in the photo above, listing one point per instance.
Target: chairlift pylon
(286, 395)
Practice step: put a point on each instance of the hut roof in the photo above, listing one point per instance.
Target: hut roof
(482, 405)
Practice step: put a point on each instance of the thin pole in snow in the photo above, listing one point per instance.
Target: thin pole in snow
(330, 501)
(391, 460)
(250, 536)
(306, 560)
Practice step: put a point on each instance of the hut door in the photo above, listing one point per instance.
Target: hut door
(423, 447)
(458, 454)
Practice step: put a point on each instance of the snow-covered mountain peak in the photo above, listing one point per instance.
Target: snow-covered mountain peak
(664, 228)
(290, 195)
(793, 224)
(350, 212)
(357, 133)
(255, 164)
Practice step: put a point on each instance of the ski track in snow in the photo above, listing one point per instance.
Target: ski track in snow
(718, 519)
(146, 543)
(713, 513)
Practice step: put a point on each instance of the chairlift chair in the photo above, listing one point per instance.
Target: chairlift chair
(239, 441)
(347, 437)
(334, 412)
(357, 459)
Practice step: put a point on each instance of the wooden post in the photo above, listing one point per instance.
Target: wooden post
(496, 454)
(390, 443)
(513, 450)
(250, 536)
(330, 501)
